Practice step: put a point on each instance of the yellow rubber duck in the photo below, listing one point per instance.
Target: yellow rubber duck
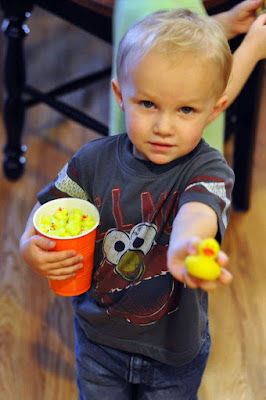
(203, 265)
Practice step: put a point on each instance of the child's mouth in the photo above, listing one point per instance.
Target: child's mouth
(161, 146)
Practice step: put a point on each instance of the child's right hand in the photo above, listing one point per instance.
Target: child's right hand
(38, 253)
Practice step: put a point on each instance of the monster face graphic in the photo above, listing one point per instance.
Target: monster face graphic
(133, 280)
(127, 251)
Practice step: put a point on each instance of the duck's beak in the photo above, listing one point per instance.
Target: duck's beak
(207, 251)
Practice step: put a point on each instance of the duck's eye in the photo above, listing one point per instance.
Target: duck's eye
(186, 110)
(147, 104)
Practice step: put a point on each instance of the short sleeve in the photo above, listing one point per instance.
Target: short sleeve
(212, 185)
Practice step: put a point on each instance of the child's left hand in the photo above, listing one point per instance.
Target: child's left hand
(176, 266)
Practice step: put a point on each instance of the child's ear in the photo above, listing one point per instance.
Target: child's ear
(118, 93)
(218, 108)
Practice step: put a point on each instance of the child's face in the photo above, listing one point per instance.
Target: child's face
(167, 105)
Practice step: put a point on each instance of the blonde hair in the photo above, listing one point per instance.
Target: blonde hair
(173, 33)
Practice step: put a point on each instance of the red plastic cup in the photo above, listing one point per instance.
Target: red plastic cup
(83, 244)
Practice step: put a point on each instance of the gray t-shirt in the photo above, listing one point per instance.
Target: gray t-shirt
(134, 303)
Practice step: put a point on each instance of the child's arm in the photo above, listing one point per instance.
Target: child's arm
(239, 18)
(38, 253)
(251, 50)
(195, 221)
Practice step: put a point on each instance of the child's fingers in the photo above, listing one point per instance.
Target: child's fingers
(208, 286)
(189, 280)
(222, 259)
(192, 245)
(62, 258)
(63, 273)
(43, 243)
(65, 268)
(61, 277)
(59, 265)
(226, 277)
(66, 262)
(192, 282)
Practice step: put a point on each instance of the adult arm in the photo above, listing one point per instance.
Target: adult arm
(247, 55)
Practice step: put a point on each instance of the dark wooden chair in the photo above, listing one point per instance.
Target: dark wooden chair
(95, 17)
(92, 16)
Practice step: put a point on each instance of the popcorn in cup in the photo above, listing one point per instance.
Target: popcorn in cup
(83, 243)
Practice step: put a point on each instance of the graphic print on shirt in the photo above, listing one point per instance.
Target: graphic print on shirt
(133, 280)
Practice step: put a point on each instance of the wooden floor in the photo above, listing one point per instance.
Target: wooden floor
(36, 336)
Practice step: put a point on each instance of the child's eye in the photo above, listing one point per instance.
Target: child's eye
(186, 110)
(147, 104)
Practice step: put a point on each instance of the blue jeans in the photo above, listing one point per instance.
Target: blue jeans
(105, 373)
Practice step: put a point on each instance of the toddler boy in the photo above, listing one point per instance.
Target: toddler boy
(142, 329)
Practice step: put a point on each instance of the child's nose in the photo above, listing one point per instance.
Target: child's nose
(164, 125)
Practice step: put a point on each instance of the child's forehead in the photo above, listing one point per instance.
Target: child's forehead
(157, 73)
(157, 60)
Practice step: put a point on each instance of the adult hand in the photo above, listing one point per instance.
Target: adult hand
(239, 18)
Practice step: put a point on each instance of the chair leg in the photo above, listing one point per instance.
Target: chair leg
(14, 78)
